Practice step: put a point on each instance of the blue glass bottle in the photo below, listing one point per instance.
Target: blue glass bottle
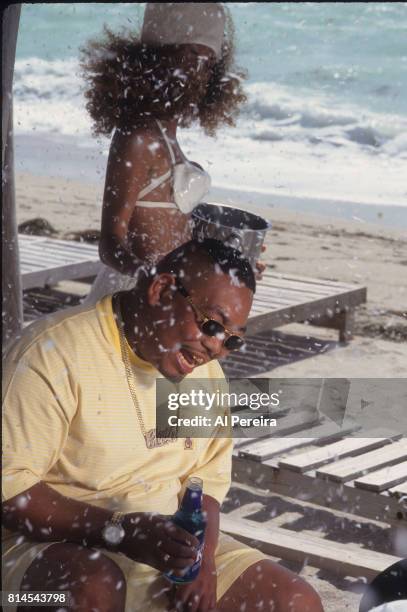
(190, 517)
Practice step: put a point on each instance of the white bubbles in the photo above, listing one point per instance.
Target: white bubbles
(153, 147)
(48, 345)
(95, 555)
(22, 501)
(234, 278)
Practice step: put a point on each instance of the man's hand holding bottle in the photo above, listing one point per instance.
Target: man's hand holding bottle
(154, 539)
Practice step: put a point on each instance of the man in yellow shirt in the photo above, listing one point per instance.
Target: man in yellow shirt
(81, 452)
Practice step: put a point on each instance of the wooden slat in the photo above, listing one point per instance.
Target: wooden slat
(75, 244)
(287, 298)
(278, 446)
(309, 460)
(283, 299)
(295, 288)
(265, 306)
(266, 449)
(353, 467)
(306, 311)
(306, 279)
(27, 240)
(285, 426)
(41, 278)
(48, 261)
(69, 250)
(384, 479)
(319, 552)
(42, 249)
(380, 507)
(282, 285)
(276, 285)
(281, 292)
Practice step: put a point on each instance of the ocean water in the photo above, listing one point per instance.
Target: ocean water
(326, 117)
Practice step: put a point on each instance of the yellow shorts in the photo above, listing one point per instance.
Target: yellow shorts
(145, 585)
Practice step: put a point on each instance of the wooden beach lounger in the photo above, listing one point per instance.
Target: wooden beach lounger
(284, 298)
(336, 557)
(280, 298)
(332, 468)
(46, 261)
(366, 476)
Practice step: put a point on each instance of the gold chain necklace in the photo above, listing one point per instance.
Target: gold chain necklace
(150, 436)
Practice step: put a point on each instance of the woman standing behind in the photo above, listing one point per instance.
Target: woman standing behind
(141, 89)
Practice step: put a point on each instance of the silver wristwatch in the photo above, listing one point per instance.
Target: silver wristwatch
(113, 533)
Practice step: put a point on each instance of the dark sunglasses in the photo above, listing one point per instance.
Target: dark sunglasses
(210, 327)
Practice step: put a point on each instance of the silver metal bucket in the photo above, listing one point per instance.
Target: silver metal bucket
(234, 227)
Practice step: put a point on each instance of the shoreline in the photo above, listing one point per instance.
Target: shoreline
(62, 158)
(383, 216)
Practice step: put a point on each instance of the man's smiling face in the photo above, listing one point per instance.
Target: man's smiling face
(177, 345)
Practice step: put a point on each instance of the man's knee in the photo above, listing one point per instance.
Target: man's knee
(305, 598)
(94, 580)
(285, 589)
(101, 584)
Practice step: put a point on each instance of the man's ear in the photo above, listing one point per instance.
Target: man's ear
(161, 290)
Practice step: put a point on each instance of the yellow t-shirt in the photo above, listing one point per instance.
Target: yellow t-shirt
(69, 420)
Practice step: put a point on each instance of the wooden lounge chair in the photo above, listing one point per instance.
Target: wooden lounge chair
(366, 476)
(329, 466)
(47, 261)
(284, 298)
(280, 298)
(336, 557)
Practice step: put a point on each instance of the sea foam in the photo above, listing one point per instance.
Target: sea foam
(288, 140)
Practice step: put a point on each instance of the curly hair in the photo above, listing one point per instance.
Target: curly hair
(120, 89)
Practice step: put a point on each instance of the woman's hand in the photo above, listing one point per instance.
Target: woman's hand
(155, 540)
(260, 267)
(199, 595)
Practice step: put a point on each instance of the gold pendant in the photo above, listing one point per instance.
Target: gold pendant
(188, 444)
(153, 442)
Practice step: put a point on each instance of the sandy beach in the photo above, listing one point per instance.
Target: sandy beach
(309, 245)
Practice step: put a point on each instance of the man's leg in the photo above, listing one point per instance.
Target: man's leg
(95, 582)
(267, 586)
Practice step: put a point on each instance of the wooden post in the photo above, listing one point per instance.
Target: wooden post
(12, 309)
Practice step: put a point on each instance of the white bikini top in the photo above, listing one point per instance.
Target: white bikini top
(190, 184)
